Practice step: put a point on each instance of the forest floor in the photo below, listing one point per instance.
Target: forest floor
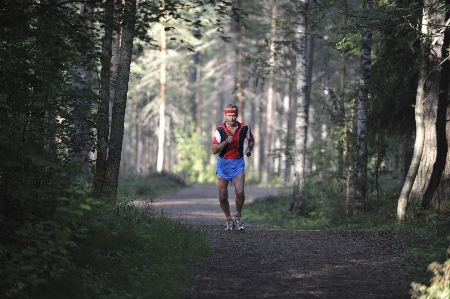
(286, 263)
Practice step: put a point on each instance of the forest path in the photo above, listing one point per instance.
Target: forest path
(286, 263)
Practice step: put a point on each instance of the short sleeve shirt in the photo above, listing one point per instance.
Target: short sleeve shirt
(235, 149)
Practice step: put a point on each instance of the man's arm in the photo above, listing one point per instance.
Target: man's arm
(216, 148)
(248, 150)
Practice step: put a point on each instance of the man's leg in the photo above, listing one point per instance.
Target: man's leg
(239, 191)
(223, 196)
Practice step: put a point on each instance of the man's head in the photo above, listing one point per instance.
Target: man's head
(231, 113)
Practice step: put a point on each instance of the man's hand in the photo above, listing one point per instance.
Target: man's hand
(248, 151)
(229, 139)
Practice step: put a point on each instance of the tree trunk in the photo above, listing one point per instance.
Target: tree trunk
(341, 116)
(120, 98)
(269, 105)
(139, 143)
(298, 194)
(421, 95)
(292, 118)
(361, 122)
(81, 150)
(240, 79)
(162, 105)
(103, 105)
(431, 184)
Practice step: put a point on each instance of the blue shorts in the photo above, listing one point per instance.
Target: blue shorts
(228, 169)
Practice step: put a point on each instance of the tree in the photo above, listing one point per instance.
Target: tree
(298, 194)
(104, 101)
(162, 105)
(361, 122)
(120, 98)
(427, 181)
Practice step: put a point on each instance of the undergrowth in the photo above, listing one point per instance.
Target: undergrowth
(424, 237)
(129, 251)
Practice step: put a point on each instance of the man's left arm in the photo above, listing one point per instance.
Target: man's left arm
(250, 145)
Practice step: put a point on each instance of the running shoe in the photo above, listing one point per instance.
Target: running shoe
(239, 223)
(229, 224)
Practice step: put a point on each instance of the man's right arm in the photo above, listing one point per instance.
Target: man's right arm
(216, 148)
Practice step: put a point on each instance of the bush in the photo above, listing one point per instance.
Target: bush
(129, 253)
(440, 283)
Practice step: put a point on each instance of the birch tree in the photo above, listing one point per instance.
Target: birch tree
(361, 122)
(298, 194)
(162, 105)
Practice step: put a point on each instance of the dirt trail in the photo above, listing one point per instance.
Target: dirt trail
(284, 263)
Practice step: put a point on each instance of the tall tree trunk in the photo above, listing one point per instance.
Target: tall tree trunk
(361, 126)
(432, 182)
(103, 105)
(81, 150)
(269, 105)
(240, 57)
(298, 194)
(292, 119)
(120, 98)
(162, 105)
(139, 143)
(341, 116)
(229, 82)
(419, 114)
(350, 133)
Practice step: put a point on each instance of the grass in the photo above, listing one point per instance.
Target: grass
(424, 237)
(129, 253)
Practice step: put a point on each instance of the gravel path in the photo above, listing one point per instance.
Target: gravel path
(285, 263)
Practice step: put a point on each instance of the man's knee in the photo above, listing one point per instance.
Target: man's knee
(240, 194)
(223, 197)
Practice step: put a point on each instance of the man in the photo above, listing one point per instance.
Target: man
(229, 144)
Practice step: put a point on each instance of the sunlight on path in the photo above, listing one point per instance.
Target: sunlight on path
(199, 204)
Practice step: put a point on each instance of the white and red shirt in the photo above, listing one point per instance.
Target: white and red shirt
(235, 149)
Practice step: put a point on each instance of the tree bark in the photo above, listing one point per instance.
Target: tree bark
(431, 184)
(438, 188)
(240, 57)
(269, 105)
(162, 105)
(103, 105)
(298, 194)
(361, 122)
(81, 149)
(139, 142)
(120, 98)
(341, 116)
(425, 133)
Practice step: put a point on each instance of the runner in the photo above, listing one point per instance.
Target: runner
(229, 144)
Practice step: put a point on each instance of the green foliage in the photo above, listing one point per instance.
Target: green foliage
(129, 253)
(193, 157)
(440, 283)
(34, 251)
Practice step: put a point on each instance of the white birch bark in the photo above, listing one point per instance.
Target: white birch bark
(361, 120)
(162, 105)
(298, 194)
(269, 115)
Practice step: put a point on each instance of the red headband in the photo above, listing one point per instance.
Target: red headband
(230, 111)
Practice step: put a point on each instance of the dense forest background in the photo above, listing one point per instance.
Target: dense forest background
(347, 100)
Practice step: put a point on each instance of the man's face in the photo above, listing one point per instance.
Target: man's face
(231, 118)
